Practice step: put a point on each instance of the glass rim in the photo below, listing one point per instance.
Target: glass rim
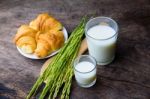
(116, 32)
(85, 61)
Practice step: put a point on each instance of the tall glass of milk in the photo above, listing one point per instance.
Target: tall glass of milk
(101, 34)
(85, 71)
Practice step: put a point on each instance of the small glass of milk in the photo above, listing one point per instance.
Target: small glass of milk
(85, 71)
(101, 34)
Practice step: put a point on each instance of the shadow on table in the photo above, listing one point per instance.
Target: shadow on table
(5, 91)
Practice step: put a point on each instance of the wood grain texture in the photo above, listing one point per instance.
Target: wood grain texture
(128, 77)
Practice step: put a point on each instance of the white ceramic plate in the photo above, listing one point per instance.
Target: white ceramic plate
(32, 56)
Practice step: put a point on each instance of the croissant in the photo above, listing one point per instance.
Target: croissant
(24, 30)
(48, 42)
(42, 36)
(27, 44)
(25, 39)
(45, 22)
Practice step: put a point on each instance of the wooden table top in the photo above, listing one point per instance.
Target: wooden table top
(127, 77)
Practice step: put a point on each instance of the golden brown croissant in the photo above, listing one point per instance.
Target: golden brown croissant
(44, 22)
(25, 39)
(48, 42)
(27, 44)
(23, 31)
(42, 36)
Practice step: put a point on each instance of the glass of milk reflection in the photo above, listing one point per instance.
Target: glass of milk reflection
(85, 70)
(101, 34)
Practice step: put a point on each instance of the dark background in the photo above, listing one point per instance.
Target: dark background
(128, 77)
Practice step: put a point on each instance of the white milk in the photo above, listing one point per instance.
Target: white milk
(100, 47)
(85, 73)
